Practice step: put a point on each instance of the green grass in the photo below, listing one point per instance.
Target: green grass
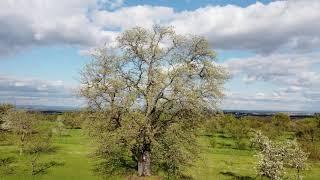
(73, 151)
(230, 163)
(221, 162)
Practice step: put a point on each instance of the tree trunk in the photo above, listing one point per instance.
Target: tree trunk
(33, 164)
(22, 144)
(144, 168)
(298, 174)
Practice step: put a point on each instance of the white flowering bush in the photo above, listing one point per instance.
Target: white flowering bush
(296, 158)
(274, 157)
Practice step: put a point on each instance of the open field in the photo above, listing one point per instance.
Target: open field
(221, 162)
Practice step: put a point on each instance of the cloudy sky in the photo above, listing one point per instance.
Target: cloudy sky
(271, 48)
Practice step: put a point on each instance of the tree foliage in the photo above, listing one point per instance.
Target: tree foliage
(281, 122)
(4, 109)
(274, 157)
(22, 124)
(153, 83)
(40, 142)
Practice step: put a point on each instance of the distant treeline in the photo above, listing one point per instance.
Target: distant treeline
(239, 114)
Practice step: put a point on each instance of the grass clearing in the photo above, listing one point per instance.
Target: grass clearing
(220, 162)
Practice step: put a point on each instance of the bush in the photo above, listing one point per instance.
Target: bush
(238, 130)
(72, 120)
(215, 124)
(274, 157)
(307, 130)
(6, 165)
(281, 122)
(312, 148)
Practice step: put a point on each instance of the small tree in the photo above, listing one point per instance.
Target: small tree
(60, 128)
(274, 157)
(296, 158)
(307, 130)
(22, 125)
(270, 157)
(238, 130)
(40, 142)
(152, 83)
(72, 120)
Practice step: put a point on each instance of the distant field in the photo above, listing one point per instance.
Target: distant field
(221, 162)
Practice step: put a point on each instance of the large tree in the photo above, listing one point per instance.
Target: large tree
(153, 84)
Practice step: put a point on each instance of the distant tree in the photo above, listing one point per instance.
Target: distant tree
(72, 120)
(281, 120)
(60, 128)
(281, 123)
(154, 86)
(307, 130)
(238, 129)
(307, 133)
(317, 118)
(5, 108)
(215, 123)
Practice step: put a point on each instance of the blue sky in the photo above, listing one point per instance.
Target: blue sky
(271, 48)
(182, 5)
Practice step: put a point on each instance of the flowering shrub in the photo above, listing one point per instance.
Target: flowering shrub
(274, 157)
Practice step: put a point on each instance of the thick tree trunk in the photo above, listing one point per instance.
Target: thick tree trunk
(144, 162)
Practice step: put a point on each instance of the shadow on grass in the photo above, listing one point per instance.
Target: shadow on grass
(43, 167)
(184, 177)
(208, 135)
(223, 136)
(236, 176)
(144, 178)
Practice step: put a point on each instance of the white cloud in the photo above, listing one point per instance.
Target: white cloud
(25, 24)
(294, 80)
(294, 70)
(259, 28)
(128, 17)
(269, 30)
(269, 101)
(280, 25)
(21, 91)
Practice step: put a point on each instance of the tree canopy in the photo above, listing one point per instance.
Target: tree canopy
(153, 85)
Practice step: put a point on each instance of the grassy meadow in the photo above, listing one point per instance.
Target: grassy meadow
(219, 161)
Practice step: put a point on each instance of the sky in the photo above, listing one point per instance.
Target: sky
(270, 48)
